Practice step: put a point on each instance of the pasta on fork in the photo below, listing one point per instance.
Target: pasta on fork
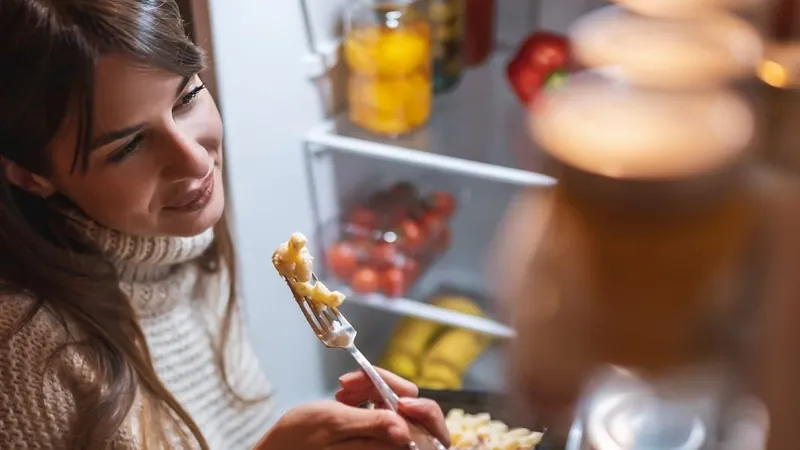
(294, 262)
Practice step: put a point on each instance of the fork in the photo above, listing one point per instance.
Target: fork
(334, 331)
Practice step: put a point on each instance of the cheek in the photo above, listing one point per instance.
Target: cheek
(118, 202)
(207, 127)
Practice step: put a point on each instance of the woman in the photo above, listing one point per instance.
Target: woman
(119, 326)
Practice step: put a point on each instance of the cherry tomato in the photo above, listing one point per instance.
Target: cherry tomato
(383, 254)
(365, 280)
(432, 223)
(403, 189)
(397, 216)
(411, 269)
(443, 203)
(362, 245)
(363, 218)
(342, 259)
(393, 282)
(381, 202)
(412, 235)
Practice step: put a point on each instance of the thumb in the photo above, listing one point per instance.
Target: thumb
(371, 424)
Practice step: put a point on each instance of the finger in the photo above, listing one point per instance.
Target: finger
(357, 398)
(428, 414)
(359, 423)
(359, 381)
(365, 444)
(352, 398)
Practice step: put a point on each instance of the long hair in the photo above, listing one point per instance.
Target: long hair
(49, 50)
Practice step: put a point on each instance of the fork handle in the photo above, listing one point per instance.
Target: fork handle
(387, 394)
(390, 398)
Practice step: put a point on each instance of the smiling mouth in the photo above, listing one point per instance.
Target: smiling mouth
(196, 199)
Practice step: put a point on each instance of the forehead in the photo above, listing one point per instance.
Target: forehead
(128, 92)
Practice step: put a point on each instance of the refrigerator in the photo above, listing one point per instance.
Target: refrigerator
(294, 163)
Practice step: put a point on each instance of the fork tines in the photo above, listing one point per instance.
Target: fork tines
(306, 308)
(321, 319)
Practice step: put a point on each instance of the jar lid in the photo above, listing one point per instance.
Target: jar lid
(601, 124)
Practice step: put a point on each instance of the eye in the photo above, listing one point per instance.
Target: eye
(121, 153)
(189, 98)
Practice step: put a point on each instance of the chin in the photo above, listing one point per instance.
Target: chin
(193, 223)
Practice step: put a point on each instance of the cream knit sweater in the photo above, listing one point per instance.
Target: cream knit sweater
(179, 310)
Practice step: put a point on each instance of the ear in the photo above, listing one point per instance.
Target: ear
(26, 180)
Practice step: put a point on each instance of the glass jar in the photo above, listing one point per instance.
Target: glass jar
(448, 21)
(479, 36)
(388, 50)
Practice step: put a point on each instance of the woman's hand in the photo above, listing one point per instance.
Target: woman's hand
(357, 388)
(329, 425)
(342, 425)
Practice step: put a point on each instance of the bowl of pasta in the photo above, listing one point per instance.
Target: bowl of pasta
(485, 421)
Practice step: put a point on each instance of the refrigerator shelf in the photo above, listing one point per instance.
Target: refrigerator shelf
(478, 130)
(414, 308)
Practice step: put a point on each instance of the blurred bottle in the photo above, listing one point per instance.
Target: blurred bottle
(780, 67)
(644, 248)
(448, 20)
(388, 51)
(644, 259)
(479, 38)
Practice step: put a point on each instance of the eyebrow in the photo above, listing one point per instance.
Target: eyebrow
(107, 138)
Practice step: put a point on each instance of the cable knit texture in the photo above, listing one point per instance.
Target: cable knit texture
(179, 308)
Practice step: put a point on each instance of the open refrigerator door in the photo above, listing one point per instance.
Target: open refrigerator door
(332, 115)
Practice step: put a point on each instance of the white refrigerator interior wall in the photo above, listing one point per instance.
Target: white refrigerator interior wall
(268, 106)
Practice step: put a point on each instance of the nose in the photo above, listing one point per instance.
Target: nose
(186, 158)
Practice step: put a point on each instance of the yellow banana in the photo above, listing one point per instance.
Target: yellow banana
(407, 345)
(439, 377)
(451, 355)
(413, 336)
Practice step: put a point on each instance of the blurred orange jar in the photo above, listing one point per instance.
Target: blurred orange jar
(388, 51)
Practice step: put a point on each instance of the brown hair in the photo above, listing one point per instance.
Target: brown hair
(49, 50)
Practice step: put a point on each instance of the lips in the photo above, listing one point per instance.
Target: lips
(196, 198)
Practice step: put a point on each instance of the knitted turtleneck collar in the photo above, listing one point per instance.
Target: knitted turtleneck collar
(141, 258)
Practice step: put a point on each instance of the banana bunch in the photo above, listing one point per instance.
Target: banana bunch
(433, 355)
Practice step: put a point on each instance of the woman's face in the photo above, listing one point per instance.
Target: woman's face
(155, 168)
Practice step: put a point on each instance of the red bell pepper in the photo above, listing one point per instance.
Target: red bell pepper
(541, 59)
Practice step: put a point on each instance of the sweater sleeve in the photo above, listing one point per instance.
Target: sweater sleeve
(37, 409)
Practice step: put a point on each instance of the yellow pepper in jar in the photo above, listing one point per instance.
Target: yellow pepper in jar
(389, 89)
(385, 52)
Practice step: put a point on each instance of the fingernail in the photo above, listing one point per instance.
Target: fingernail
(345, 377)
